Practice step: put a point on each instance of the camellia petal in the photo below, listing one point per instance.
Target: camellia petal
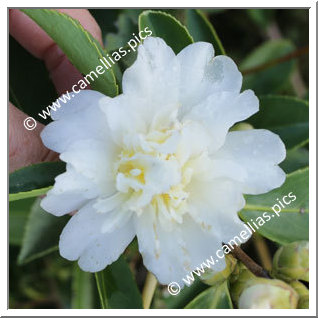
(159, 162)
(88, 157)
(208, 207)
(106, 248)
(82, 228)
(194, 236)
(156, 63)
(160, 256)
(78, 118)
(71, 191)
(219, 111)
(201, 74)
(87, 228)
(266, 151)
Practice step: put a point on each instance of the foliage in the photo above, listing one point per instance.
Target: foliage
(39, 277)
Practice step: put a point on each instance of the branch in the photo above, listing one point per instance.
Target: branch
(273, 33)
(285, 58)
(256, 269)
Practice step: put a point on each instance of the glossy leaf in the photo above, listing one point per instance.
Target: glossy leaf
(202, 30)
(33, 180)
(272, 78)
(41, 234)
(167, 27)
(78, 45)
(117, 287)
(36, 176)
(216, 297)
(28, 194)
(292, 224)
(185, 296)
(285, 115)
(296, 158)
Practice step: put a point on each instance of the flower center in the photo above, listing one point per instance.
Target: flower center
(150, 171)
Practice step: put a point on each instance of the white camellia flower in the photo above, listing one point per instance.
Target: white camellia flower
(158, 162)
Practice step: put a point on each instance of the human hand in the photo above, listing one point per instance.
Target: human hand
(26, 147)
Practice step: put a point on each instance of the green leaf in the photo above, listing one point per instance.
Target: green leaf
(18, 216)
(296, 158)
(202, 30)
(41, 234)
(126, 28)
(78, 45)
(118, 75)
(287, 116)
(33, 180)
(292, 224)
(36, 176)
(216, 297)
(185, 296)
(28, 194)
(167, 27)
(82, 289)
(273, 78)
(117, 287)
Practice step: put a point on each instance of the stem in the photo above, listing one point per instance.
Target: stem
(285, 58)
(256, 269)
(263, 251)
(149, 290)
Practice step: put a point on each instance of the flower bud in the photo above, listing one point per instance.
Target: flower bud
(303, 293)
(262, 293)
(239, 279)
(290, 262)
(240, 271)
(211, 277)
